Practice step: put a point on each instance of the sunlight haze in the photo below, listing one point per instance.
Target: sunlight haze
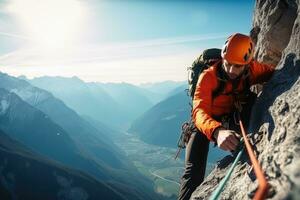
(113, 41)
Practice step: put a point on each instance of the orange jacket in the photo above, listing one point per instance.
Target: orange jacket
(205, 108)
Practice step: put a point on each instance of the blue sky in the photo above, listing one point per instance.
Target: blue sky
(114, 41)
(155, 19)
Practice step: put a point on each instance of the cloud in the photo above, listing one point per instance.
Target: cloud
(135, 62)
(12, 35)
(111, 52)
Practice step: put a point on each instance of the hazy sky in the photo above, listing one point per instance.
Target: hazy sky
(114, 40)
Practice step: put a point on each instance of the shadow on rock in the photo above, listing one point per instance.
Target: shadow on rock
(282, 81)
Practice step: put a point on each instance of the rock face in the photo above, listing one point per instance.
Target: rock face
(272, 27)
(275, 120)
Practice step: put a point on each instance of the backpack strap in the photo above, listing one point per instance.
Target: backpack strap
(221, 81)
(246, 77)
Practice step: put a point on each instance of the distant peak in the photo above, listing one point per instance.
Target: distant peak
(76, 78)
(23, 77)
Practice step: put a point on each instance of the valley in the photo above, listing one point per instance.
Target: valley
(156, 163)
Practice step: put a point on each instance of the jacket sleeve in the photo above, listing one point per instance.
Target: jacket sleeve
(260, 73)
(202, 104)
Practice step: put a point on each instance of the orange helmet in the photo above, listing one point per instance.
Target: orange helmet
(238, 49)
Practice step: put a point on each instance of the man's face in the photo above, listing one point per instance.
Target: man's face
(233, 70)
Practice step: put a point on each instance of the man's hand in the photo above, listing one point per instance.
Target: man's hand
(226, 139)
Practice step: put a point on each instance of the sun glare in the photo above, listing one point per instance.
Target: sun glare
(51, 24)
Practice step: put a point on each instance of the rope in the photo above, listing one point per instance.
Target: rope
(263, 185)
(222, 184)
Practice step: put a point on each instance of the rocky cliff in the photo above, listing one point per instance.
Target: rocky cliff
(275, 120)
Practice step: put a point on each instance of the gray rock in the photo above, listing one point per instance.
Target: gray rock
(272, 20)
(275, 120)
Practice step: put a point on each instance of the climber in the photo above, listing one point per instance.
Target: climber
(213, 116)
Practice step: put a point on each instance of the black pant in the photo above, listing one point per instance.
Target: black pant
(197, 151)
(195, 164)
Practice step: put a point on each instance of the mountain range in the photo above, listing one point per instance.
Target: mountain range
(38, 120)
(74, 124)
(28, 175)
(161, 125)
(114, 104)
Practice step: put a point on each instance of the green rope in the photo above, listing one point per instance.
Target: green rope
(222, 184)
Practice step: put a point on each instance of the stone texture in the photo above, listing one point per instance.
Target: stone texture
(272, 20)
(275, 121)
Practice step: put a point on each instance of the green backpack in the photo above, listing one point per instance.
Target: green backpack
(206, 59)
